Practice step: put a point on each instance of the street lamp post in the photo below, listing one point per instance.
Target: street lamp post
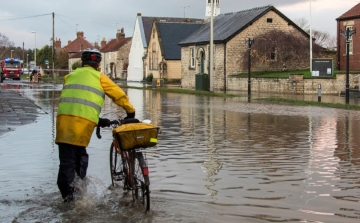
(35, 48)
(249, 42)
(11, 53)
(348, 33)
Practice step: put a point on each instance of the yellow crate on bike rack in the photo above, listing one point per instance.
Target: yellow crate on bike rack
(136, 135)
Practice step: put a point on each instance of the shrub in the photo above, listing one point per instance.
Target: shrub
(149, 77)
(76, 65)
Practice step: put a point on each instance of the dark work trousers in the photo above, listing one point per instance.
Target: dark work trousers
(73, 159)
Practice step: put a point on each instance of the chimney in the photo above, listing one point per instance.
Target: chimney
(57, 43)
(120, 35)
(96, 45)
(80, 34)
(103, 42)
(69, 41)
(138, 14)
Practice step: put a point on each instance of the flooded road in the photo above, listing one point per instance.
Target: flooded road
(218, 160)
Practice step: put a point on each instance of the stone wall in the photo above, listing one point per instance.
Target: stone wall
(173, 70)
(295, 84)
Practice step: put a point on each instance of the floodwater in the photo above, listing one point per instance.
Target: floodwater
(218, 160)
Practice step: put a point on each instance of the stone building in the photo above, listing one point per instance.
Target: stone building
(163, 58)
(351, 20)
(115, 56)
(231, 30)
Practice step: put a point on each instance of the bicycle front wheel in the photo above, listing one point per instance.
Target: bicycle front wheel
(141, 191)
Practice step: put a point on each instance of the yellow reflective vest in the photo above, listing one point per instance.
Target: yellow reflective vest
(80, 104)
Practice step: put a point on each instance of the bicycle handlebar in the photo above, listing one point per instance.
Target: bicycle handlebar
(116, 123)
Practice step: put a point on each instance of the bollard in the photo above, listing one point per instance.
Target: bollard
(319, 92)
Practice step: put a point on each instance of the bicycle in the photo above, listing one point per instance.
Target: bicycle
(128, 163)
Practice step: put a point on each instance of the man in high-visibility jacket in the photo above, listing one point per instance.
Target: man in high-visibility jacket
(80, 104)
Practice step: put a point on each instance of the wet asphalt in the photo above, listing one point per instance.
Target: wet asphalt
(16, 110)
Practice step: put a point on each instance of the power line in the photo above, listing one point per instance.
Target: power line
(25, 17)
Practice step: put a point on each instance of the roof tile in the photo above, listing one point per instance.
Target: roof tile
(354, 12)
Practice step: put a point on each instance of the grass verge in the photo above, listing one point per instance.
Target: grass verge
(310, 103)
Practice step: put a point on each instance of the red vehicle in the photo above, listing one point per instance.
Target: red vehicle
(10, 68)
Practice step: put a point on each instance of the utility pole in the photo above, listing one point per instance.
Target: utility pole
(311, 40)
(53, 43)
(348, 33)
(23, 54)
(212, 47)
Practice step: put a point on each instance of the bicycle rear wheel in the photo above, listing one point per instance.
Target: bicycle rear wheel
(141, 190)
(116, 167)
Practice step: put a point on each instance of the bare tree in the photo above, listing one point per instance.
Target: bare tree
(5, 45)
(278, 50)
(303, 24)
(322, 38)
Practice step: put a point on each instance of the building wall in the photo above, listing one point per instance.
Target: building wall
(237, 46)
(72, 61)
(354, 58)
(173, 71)
(121, 60)
(107, 59)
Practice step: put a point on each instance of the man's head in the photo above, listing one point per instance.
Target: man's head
(91, 57)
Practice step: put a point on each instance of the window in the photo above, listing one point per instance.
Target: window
(154, 58)
(150, 62)
(269, 20)
(350, 41)
(273, 53)
(192, 57)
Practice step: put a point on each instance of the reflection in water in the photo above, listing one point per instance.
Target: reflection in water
(218, 160)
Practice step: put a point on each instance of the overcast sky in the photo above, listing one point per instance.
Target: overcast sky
(101, 19)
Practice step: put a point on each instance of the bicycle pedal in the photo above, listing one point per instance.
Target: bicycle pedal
(119, 173)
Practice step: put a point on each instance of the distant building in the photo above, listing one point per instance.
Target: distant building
(77, 45)
(163, 58)
(351, 20)
(230, 32)
(115, 55)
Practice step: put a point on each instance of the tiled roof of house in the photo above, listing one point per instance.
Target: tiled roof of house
(79, 44)
(354, 12)
(171, 34)
(228, 25)
(114, 45)
(76, 55)
(148, 22)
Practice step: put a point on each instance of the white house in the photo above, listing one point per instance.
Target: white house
(137, 49)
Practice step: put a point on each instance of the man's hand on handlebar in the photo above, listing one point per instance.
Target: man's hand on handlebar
(104, 122)
(130, 115)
